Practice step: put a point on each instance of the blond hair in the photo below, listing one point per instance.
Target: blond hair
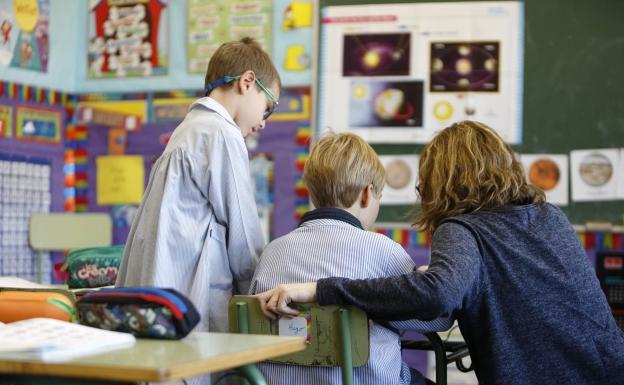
(235, 57)
(468, 167)
(339, 167)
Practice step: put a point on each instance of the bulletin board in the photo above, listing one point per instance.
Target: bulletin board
(572, 89)
(31, 181)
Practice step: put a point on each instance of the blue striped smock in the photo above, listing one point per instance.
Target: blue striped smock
(323, 248)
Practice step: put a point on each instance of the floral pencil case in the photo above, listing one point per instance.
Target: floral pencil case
(148, 312)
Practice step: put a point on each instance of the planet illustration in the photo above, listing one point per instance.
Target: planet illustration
(544, 173)
(398, 174)
(596, 169)
(391, 104)
(443, 110)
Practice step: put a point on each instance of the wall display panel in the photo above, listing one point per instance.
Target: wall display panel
(127, 38)
(24, 190)
(211, 23)
(24, 36)
(398, 73)
(292, 40)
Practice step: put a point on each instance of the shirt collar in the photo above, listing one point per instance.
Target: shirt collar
(331, 213)
(215, 106)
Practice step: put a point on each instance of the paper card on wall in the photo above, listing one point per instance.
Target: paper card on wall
(620, 191)
(550, 173)
(401, 179)
(6, 121)
(109, 118)
(298, 14)
(295, 58)
(117, 141)
(119, 179)
(595, 174)
(300, 326)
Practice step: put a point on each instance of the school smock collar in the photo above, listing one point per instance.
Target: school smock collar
(331, 213)
(215, 106)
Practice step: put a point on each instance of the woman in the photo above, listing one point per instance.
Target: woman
(506, 264)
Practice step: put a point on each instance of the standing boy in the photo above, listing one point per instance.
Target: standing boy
(197, 229)
(345, 178)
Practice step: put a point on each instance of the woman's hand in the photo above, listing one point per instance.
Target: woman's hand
(275, 301)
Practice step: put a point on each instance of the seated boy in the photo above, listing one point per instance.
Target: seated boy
(345, 177)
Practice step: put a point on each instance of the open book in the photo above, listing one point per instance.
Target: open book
(52, 340)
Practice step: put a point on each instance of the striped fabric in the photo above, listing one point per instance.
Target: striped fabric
(325, 248)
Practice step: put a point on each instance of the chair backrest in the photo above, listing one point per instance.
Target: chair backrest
(322, 326)
(610, 272)
(59, 231)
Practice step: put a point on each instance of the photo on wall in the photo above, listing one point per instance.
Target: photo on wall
(594, 174)
(382, 54)
(401, 179)
(464, 66)
(549, 172)
(375, 103)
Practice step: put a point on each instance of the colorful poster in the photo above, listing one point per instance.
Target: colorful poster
(119, 179)
(24, 36)
(213, 22)
(38, 124)
(409, 70)
(292, 37)
(128, 38)
(6, 121)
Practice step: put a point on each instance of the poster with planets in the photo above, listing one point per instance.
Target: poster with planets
(399, 73)
(595, 174)
(550, 173)
(401, 179)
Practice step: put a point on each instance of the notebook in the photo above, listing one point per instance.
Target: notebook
(52, 340)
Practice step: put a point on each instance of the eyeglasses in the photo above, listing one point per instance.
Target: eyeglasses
(228, 79)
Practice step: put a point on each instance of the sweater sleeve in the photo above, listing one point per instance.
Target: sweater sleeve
(450, 280)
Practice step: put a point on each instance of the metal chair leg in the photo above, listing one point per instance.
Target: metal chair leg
(347, 359)
(440, 356)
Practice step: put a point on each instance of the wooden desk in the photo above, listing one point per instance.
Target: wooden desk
(155, 360)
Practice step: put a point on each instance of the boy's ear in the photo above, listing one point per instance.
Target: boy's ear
(247, 80)
(366, 196)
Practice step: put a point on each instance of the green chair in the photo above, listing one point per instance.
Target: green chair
(337, 336)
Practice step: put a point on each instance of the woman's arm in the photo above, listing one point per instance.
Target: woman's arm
(451, 278)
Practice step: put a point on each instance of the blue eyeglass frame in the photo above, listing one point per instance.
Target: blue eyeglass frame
(228, 79)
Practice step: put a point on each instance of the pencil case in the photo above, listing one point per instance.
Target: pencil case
(20, 304)
(93, 267)
(148, 312)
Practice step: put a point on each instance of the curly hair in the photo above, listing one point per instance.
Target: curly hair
(468, 167)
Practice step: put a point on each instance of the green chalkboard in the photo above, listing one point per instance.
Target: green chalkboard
(573, 88)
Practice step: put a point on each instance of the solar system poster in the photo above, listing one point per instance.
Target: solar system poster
(595, 174)
(549, 172)
(399, 73)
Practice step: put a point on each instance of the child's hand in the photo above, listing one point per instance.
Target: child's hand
(275, 301)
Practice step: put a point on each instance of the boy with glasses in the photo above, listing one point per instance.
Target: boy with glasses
(197, 229)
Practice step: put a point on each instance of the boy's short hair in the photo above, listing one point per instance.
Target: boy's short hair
(339, 167)
(235, 57)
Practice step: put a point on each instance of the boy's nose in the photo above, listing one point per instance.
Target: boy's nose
(262, 124)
